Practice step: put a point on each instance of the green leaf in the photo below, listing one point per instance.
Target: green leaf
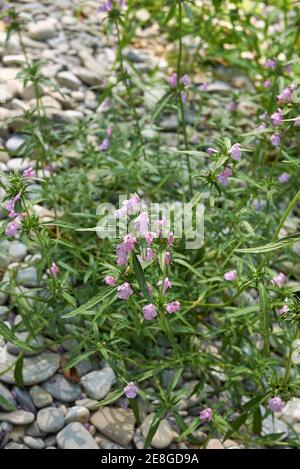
(280, 244)
(264, 317)
(8, 406)
(69, 299)
(236, 424)
(73, 361)
(255, 402)
(161, 105)
(257, 421)
(139, 273)
(91, 303)
(170, 15)
(189, 266)
(174, 381)
(154, 426)
(18, 371)
(9, 336)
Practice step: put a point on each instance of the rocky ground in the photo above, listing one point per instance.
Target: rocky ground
(54, 411)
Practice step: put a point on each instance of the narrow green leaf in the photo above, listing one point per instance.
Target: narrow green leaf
(280, 244)
(9, 336)
(91, 303)
(73, 361)
(257, 421)
(154, 426)
(18, 371)
(8, 406)
(139, 273)
(264, 317)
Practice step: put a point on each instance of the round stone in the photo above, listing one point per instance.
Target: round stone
(40, 397)
(33, 443)
(35, 369)
(97, 384)
(17, 417)
(61, 389)
(50, 419)
(78, 414)
(163, 436)
(76, 436)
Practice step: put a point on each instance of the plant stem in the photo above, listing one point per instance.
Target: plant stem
(181, 104)
(289, 358)
(129, 92)
(285, 215)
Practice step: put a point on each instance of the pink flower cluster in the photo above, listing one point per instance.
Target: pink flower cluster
(125, 248)
(206, 415)
(235, 152)
(279, 280)
(223, 177)
(108, 5)
(173, 80)
(129, 207)
(54, 270)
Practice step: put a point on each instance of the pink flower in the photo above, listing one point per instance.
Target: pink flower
(206, 415)
(132, 205)
(231, 276)
(283, 309)
(275, 139)
(172, 80)
(54, 270)
(167, 284)
(10, 206)
(167, 258)
(185, 80)
(149, 312)
(29, 173)
(12, 228)
(173, 307)
(266, 84)
(203, 86)
(125, 248)
(106, 6)
(141, 223)
(279, 280)
(129, 242)
(6, 20)
(121, 212)
(110, 280)
(161, 222)
(223, 177)
(149, 237)
(276, 404)
(211, 151)
(131, 390)
(286, 95)
(235, 151)
(124, 291)
(149, 255)
(184, 97)
(109, 131)
(105, 145)
(122, 3)
(270, 63)
(262, 127)
(283, 178)
(231, 107)
(276, 118)
(170, 239)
